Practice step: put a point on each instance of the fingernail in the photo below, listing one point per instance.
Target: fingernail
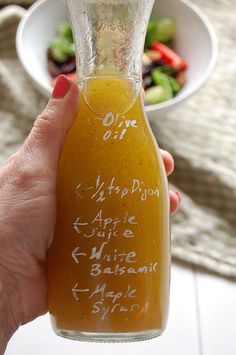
(61, 88)
(179, 196)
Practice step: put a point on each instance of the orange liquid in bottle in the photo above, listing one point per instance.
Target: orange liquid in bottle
(110, 259)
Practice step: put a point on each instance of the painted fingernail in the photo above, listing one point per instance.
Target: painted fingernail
(179, 196)
(61, 88)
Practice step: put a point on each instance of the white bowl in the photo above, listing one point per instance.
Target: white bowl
(195, 41)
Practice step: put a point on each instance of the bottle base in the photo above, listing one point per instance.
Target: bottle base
(108, 337)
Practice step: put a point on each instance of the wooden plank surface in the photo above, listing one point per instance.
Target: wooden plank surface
(180, 338)
(217, 305)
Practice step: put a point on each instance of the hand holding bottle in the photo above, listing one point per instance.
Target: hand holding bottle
(28, 211)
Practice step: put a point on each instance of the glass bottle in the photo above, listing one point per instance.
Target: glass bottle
(109, 265)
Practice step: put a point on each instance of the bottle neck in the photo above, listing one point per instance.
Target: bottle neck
(109, 36)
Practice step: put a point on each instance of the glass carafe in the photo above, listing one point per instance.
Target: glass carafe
(109, 265)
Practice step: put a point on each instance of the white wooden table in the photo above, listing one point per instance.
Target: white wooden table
(202, 322)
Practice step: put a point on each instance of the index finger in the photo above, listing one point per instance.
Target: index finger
(168, 162)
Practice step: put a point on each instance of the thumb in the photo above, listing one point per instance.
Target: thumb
(47, 137)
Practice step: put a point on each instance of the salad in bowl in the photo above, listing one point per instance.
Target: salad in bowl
(164, 70)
